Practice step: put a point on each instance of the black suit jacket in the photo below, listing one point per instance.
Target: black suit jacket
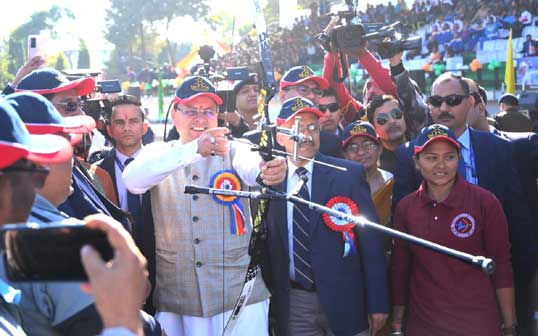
(144, 236)
(525, 156)
(349, 287)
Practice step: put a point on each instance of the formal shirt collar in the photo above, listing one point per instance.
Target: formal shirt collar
(465, 139)
(9, 294)
(122, 157)
(292, 167)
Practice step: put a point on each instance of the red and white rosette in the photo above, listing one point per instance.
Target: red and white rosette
(345, 205)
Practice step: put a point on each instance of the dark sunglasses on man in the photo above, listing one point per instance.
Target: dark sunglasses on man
(69, 105)
(333, 107)
(383, 118)
(451, 100)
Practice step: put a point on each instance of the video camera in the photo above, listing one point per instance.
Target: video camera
(351, 36)
(97, 107)
(227, 95)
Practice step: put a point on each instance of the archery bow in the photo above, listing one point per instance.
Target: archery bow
(266, 149)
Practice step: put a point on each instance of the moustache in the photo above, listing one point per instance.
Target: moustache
(446, 115)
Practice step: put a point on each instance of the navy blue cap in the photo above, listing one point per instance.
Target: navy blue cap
(41, 117)
(293, 106)
(432, 133)
(252, 80)
(359, 128)
(509, 99)
(16, 143)
(51, 81)
(194, 87)
(300, 74)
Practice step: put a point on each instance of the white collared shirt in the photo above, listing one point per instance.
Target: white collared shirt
(468, 157)
(292, 181)
(120, 185)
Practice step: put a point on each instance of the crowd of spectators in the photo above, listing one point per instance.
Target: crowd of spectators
(453, 27)
(288, 46)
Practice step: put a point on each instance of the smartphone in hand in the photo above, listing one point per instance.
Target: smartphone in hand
(50, 251)
(35, 46)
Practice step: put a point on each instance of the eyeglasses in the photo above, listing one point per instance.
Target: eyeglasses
(70, 105)
(306, 90)
(364, 146)
(383, 118)
(190, 112)
(333, 107)
(451, 100)
(314, 127)
(39, 173)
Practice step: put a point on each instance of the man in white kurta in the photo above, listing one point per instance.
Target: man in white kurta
(200, 263)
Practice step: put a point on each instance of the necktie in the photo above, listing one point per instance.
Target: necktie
(133, 204)
(301, 239)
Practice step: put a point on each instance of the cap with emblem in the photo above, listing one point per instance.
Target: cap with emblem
(194, 87)
(300, 74)
(294, 106)
(51, 81)
(16, 143)
(359, 128)
(434, 133)
(41, 117)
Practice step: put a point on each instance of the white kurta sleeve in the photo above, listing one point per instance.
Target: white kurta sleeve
(246, 162)
(156, 161)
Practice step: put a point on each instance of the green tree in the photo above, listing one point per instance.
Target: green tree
(38, 22)
(5, 75)
(164, 11)
(61, 61)
(83, 56)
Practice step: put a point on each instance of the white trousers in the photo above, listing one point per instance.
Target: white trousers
(254, 320)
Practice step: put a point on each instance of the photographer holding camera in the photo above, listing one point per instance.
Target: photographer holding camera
(351, 39)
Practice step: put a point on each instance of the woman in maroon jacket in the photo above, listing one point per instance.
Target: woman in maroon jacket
(444, 296)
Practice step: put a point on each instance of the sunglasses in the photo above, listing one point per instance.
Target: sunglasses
(451, 100)
(383, 118)
(365, 147)
(70, 106)
(333, 107)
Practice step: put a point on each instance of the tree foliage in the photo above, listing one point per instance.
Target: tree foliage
(131, 28)
(61, 61)
(83, 56)
(38, 22)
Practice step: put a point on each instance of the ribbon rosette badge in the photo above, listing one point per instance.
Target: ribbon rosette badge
(228, 180)
(345, 205)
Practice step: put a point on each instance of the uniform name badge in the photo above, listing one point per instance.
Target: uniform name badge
(228, 180)
(345, 205)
